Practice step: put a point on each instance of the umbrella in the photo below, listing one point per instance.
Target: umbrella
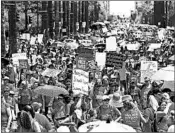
(102, 126)
(171, 58)
(49, 90)
(166, 74)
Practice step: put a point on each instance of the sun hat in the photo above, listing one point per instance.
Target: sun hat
(6, 78)
(127, 98)
(116, 100)
(105, 97)
(36, 105)
(12, 92)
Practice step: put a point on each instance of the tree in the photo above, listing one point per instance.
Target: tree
(12, 28)
(2, 30)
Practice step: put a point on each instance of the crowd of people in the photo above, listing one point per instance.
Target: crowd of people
(117, 96)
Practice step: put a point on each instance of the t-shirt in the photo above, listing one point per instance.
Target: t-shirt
(132, 118)
(122, 73)
(148, 113)
(43, 121)
(25, 96)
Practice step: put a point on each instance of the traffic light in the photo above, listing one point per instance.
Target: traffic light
(30, 20)
(17, 17)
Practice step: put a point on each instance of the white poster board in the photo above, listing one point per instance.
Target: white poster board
(25, 36)
(40, 38)
(18, 56)
(148, 69)
(100, 58)
(33, 40)
(111, 44)
(80, 82)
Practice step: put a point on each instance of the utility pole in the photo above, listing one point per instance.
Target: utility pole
(12, 28)
(61, 17)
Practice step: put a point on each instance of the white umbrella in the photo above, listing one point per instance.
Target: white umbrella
(102, 126)
(166, 74)
(171, 58)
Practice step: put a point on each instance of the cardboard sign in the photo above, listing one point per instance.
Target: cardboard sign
(18, 56)
(51, 72)
(100, 58)
(148, 69)
(40, 38)
(23, 64)
(82, 63)
(33, 40)
(114, 59)
(25, 36)
(86, 53)
(80, 82)
(111, 44)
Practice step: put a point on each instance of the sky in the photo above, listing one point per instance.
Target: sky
(121, 7)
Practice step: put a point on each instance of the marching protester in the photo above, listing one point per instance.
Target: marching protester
(71, 84)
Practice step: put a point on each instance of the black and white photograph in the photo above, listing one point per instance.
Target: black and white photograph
(87, 66)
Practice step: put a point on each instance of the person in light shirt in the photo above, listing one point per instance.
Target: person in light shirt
(123, 73)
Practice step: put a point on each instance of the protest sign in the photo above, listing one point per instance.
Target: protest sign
(82, 63)
(51, 72)
(33, 40)
(18, 56)
(40, 38)
(114, 59)
(100, 58)
(148, 68)
(111, 44)
(25, 36)
(86, 53)
(23, 63)
(80, 82)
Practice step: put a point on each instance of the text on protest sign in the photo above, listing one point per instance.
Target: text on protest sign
(18, 56)
(114, 59)
(25, 36)
(81, 63)
(80, 82)
(23, 64)
(86, 53)
(148, 68)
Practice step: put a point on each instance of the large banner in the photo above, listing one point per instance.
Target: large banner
(111, 44)
(17, 56)
(80, 82)
(114, 59)
(148, 68)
